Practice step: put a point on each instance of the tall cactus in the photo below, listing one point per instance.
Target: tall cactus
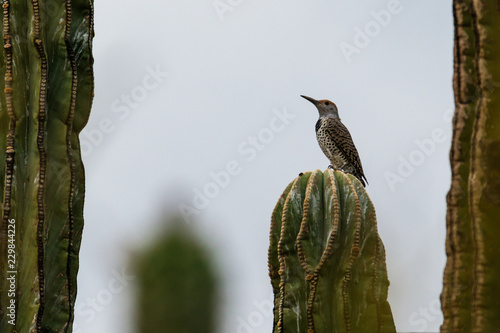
(177, 285)
(469, 300)
(46, 77)
(326, 260)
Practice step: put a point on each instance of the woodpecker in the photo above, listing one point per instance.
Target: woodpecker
(335, 140)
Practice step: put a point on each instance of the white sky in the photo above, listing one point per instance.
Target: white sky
(153, 140)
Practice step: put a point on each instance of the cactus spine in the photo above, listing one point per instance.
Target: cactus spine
(470, 285)
(326, 260)
(47, 78)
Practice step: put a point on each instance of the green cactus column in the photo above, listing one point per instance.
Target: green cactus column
(326, 259)
(46, 80)
(470, 299)
(177, 285)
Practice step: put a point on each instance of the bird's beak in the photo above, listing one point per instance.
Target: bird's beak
(312, 100)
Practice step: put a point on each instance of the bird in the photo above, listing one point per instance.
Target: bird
(335, 140)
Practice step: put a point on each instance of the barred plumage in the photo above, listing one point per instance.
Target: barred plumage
(336, 141)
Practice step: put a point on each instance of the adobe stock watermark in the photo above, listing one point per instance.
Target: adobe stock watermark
(248, 150)
(87, 310)
(372, 29)
(223, 7)
(429, 314)
(122, 107)
(255, 319)
(10, 310)
(424, 148)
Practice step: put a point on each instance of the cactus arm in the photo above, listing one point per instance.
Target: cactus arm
(177, 285)
(332, 263)
(47, 82)
(469, 299)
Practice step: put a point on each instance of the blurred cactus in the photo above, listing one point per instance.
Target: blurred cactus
(469, 300)
(326, 260)
(46, 77)
(176, 285)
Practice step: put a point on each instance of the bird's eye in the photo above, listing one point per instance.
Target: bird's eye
(327, 103)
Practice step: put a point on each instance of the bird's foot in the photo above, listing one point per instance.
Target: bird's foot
(331, 167)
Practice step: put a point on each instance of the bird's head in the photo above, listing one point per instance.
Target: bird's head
(325, 107)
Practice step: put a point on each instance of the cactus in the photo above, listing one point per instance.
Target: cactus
(470, 285)
(326, 260)
(46, 77)
(176, 285)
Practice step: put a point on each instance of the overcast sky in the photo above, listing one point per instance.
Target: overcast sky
(188, 89)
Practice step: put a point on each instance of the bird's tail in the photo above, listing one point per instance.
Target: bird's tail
(362, 179)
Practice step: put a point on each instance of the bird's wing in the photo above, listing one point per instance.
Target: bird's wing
(343, 140)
